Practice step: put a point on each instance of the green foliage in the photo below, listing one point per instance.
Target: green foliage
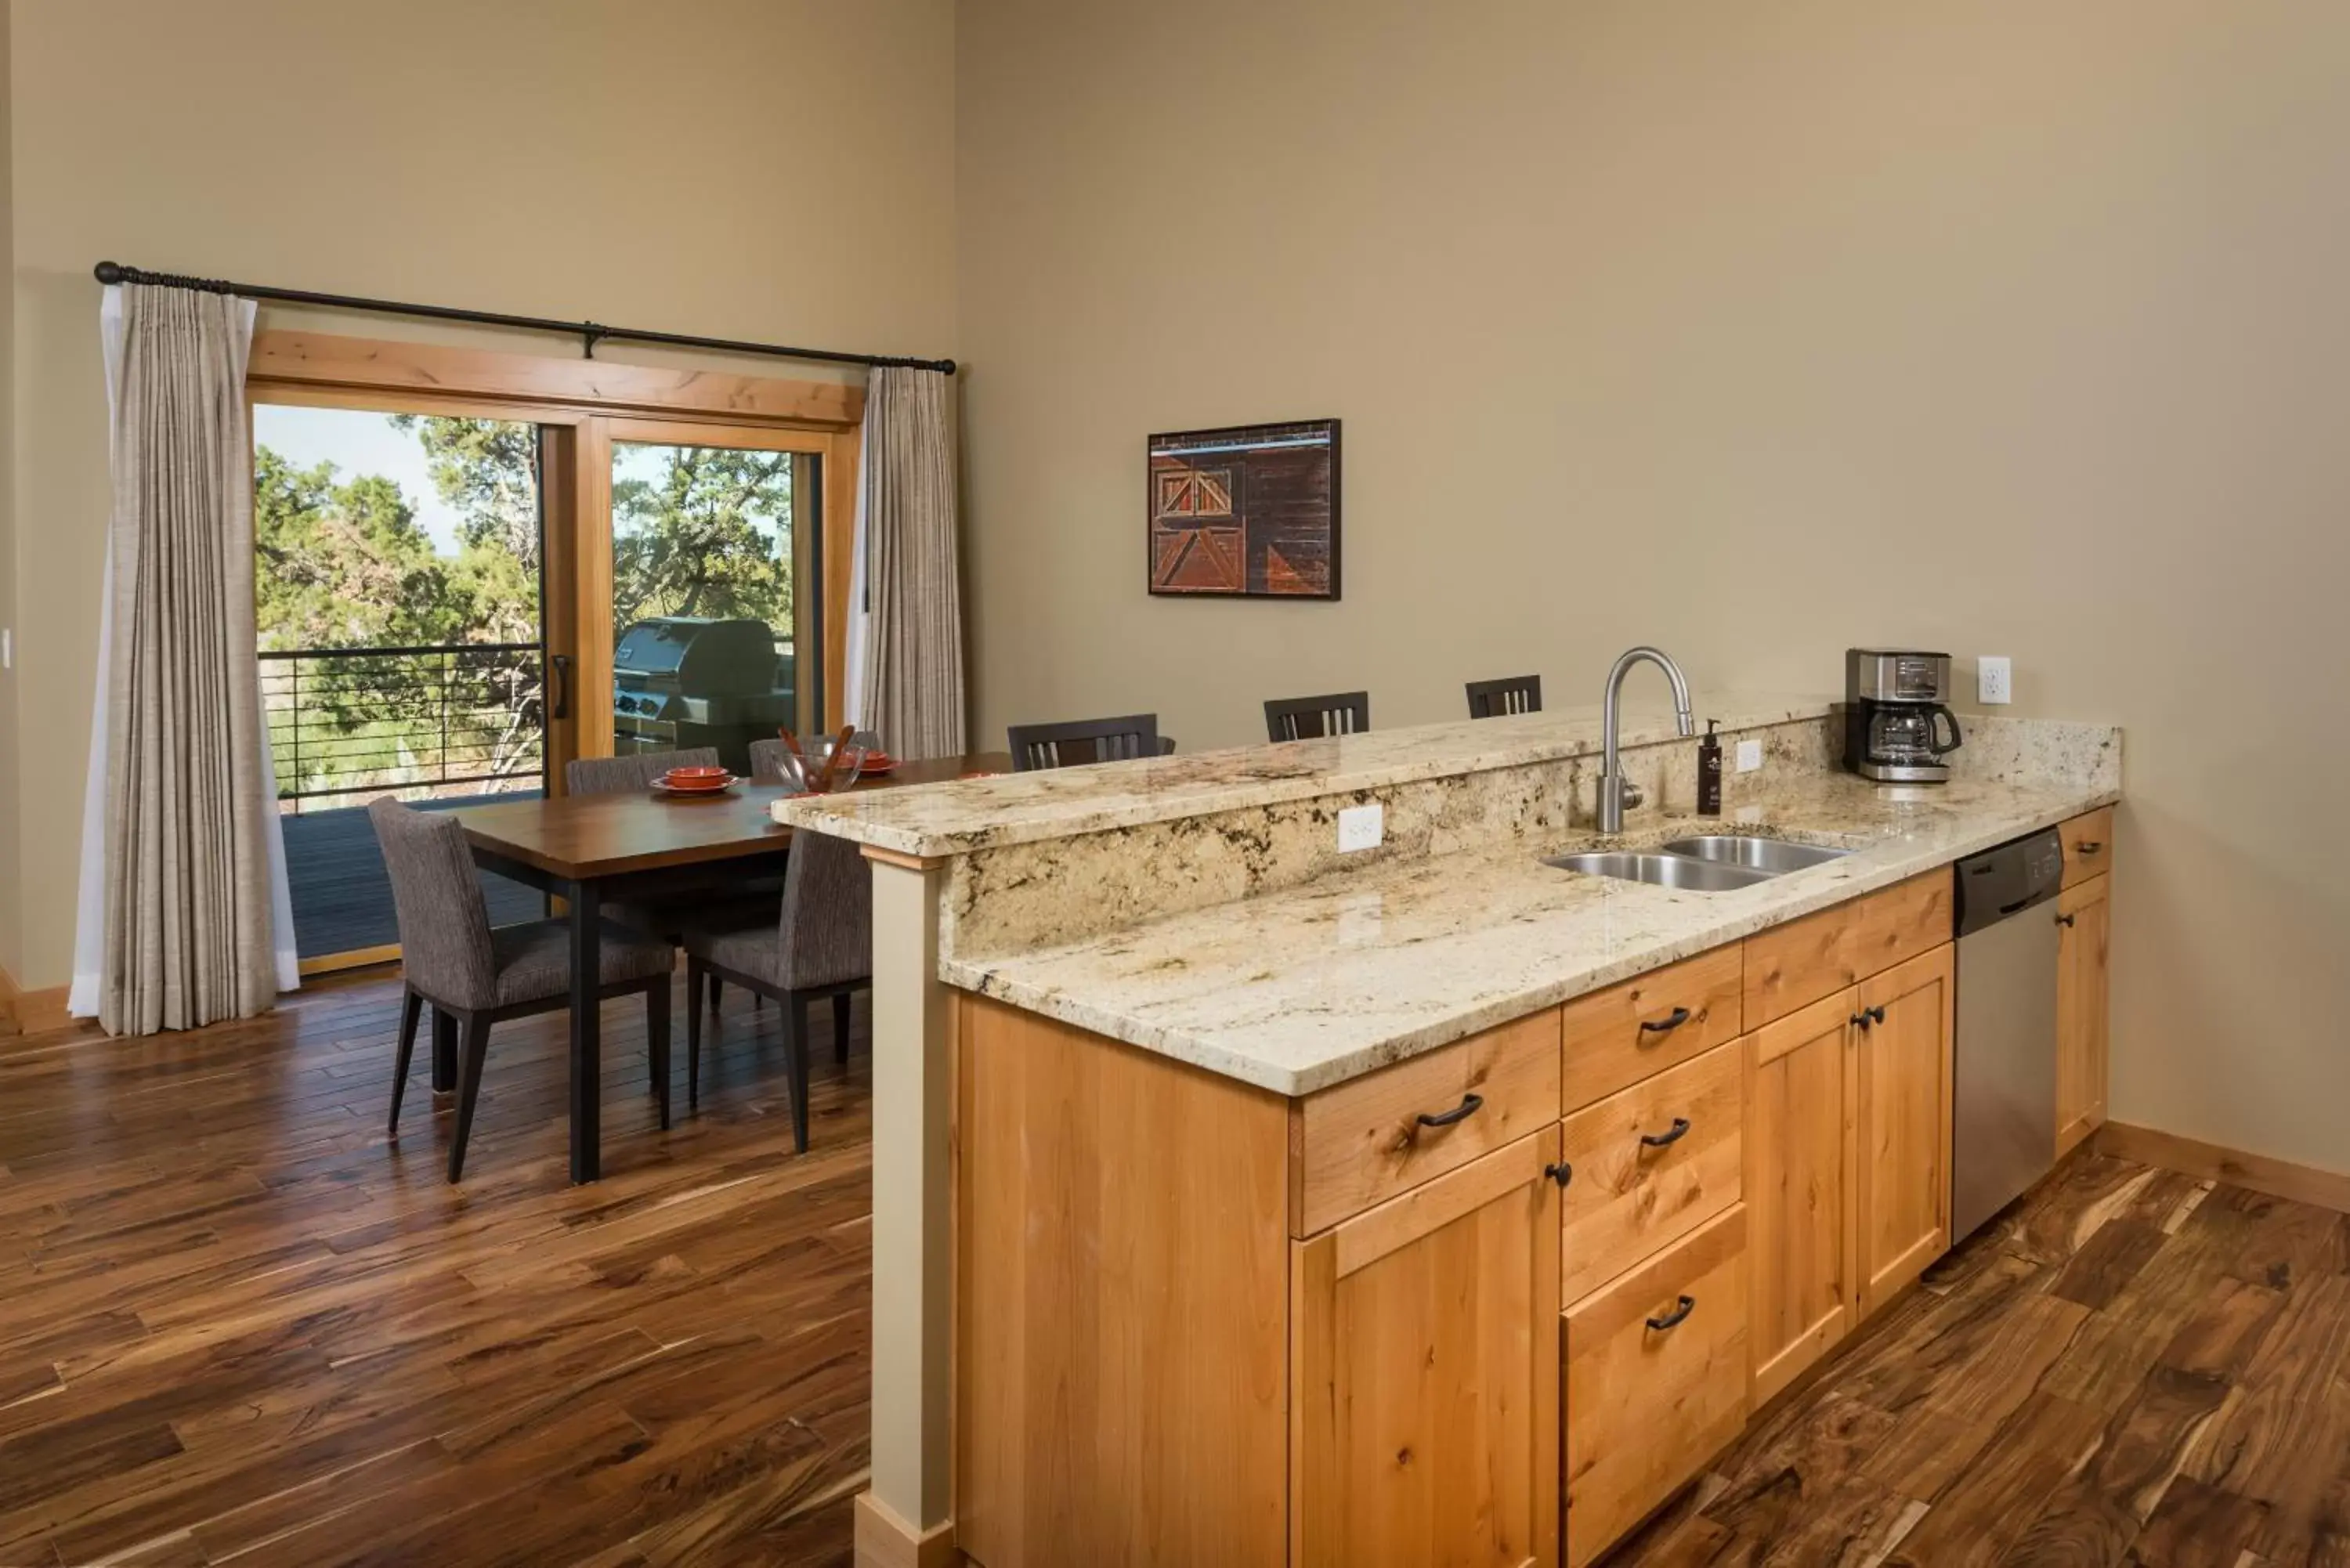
(343, 563)
(704, 538)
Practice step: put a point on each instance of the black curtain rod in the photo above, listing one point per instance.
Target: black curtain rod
(589, 333)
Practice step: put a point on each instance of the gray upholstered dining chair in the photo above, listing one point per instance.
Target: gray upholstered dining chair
(818, 943)
(451, 958)
(618, 775)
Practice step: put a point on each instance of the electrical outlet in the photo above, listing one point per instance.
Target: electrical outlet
(1750, 755)
(1994, 682)
(1361, 827)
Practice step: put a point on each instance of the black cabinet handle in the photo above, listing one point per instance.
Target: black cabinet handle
(1665, 1139)
(1674, 1318)
(1868, 1015)
(1469, 1107)
(1679, 1016)
(2064, 919)
(1561, 1173)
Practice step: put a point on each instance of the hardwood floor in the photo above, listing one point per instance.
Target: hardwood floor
(2130, 1367)
(238, 1324)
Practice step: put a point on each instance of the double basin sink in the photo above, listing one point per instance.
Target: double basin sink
(1710, 863)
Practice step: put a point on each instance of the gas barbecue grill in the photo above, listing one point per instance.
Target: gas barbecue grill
(688, 680)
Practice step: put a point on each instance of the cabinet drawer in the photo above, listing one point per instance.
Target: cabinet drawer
(1789, 967)
(1614, 1038)
(2088, 846)
(1364, 1142)
(1647, 1408)
(1651, 1165)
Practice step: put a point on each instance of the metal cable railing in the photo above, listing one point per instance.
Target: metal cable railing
(353, 721)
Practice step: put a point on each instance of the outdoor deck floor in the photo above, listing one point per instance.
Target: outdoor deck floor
(342, 899)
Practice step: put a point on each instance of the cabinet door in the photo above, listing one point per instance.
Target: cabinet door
(1799, 1188)
(1904, 1123)
(2083, 917)
(1424, 1360)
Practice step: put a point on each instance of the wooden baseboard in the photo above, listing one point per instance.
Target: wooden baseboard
(885, 1540)
(31, 1012)
(2260, 1172)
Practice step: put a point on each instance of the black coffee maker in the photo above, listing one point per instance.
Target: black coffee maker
(1896, 714)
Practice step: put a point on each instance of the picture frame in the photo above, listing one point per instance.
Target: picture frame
(1244, 512)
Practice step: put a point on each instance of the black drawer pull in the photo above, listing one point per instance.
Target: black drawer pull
(1665, 1139)
(1469, 1107)
(1680, 1016)
(1674, 1318)
(2089, 846)
(2065, 920)
(1561, 1173)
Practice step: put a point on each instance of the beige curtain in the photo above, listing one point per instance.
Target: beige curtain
(187, 918)
(910, 690)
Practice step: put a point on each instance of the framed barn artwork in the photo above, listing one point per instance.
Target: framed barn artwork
(1246, 511)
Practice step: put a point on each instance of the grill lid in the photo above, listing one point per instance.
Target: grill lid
(703, 657)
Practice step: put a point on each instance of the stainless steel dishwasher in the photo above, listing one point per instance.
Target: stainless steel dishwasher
(2003, 1101)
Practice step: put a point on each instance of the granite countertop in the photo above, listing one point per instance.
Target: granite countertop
(1297, 991)
(967, 814)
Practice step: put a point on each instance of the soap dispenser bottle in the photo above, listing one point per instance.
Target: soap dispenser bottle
(1708, 771)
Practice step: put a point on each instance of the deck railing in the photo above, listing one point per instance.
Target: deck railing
(360, 721)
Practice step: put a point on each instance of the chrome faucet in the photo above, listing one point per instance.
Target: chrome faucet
(1616, 791)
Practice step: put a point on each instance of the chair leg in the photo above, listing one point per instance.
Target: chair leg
(796, 1027)
(841, 1027)
(657, 1041)
(694, 1032)
(412, 1007)
(717, 987)
(469, 1088)
(444, 1050)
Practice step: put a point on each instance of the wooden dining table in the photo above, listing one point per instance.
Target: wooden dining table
(591, 849)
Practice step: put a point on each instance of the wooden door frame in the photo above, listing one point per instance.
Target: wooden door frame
(323, 370)
(576, 400)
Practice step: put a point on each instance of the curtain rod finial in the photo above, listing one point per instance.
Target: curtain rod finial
(108, 272)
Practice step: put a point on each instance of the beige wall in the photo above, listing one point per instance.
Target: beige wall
(1753, 330)
(10, 911)
(779, 170)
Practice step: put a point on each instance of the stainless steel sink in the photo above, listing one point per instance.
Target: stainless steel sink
(1662, 870)
(1707, 863)
(1772, 854)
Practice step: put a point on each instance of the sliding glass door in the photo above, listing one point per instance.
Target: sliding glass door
(704, 596)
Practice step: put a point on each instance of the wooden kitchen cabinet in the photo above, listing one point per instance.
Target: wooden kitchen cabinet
(1656, 1382)
(2083, 915)
(1902, 1123)
(1798, 1187)
(1424, 1374)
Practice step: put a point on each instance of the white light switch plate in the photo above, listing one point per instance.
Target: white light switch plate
(1994, 682)
(8, 648)
(1361, 827)
(1750, 755)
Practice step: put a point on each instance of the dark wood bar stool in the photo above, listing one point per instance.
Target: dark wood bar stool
(1076, 741)
(1510, 694)
(1307, 718)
